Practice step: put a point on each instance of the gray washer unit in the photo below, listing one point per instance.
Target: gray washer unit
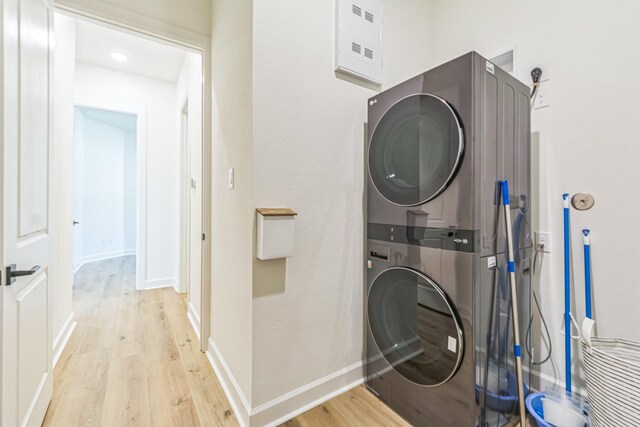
(433, 315)
(436, 311)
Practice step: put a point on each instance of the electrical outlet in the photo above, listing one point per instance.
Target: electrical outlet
(542, 96)
(543, 241)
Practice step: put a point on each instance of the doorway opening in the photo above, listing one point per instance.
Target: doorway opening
(137, 160)
(136, 247)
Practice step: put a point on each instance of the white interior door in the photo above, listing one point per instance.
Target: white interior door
(26, 379)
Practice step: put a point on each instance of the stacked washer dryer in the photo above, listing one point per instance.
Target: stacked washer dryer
(439, 342)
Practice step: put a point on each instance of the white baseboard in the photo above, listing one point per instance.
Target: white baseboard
(302, 399)
(194, 319)
(232, 390)
(60, 342)
(77, 268)
(102, 257)
(289, 405)
(157, 283)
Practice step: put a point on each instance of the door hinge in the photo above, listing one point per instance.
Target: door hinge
(203, 237)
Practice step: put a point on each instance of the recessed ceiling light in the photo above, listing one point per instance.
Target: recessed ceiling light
(119, 56)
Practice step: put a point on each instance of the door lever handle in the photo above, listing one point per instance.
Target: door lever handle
(76, 222)
(12, 273)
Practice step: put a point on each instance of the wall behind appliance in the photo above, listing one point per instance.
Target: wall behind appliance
(308, 154)
(132, 93)
(232, 217)
(585, 141)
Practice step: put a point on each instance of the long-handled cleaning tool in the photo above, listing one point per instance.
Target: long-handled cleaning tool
(567, 294)
(514, 300)
(587, 271)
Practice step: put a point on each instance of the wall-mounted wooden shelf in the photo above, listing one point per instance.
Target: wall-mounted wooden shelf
(276, 212)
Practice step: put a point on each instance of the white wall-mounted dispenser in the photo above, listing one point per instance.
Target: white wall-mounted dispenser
(275, 233)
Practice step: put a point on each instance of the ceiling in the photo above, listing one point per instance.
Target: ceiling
(120, 120)
(94, 45)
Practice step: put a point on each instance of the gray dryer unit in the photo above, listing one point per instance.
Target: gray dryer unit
(436, 302)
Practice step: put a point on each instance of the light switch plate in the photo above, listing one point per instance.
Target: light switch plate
(231, 179)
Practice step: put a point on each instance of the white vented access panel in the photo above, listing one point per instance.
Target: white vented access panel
(359, 39)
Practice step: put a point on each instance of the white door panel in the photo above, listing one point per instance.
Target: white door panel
(34, 116)
(26, 345)
(32, 301)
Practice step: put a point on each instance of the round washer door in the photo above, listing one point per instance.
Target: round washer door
(415, 150)
(415, 326)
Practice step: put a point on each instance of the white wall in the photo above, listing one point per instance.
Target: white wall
(189, 91)
(308, 154)
(129, 191)
(106, 177)
(294, 133)
(78, 189)
(232, 218)
(103, 192)
(62, 175)
(113, 90)
(585, 141)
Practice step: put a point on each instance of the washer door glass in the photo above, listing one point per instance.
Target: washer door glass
(415, 150)
(415, 326)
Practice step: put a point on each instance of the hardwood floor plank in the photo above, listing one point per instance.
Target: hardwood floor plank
(126, 401)
(78, 399)
(357, 407)
(170, 399)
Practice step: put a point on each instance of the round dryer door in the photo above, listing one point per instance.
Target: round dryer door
(415, 326)
(415, 150)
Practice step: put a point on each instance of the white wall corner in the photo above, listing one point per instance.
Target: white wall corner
(230, 386)
(289, 405)
(103, 256)
(157, 283)
(302, 399)
(61, 340)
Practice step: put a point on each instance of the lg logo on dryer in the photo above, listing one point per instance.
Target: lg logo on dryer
(373, 101)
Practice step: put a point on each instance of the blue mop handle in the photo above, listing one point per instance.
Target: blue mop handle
(567, 294)
(587, 271)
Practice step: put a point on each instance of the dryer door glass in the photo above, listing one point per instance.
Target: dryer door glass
(415, 150)
(415, 326)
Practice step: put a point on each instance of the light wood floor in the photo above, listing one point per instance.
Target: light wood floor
(134, 360)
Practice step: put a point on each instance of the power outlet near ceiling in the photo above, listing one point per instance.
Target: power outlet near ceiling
(542, 96)
(543, 93)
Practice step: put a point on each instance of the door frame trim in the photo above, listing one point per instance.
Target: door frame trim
(137, 25)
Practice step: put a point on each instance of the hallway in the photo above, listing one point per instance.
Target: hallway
(133, 359)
